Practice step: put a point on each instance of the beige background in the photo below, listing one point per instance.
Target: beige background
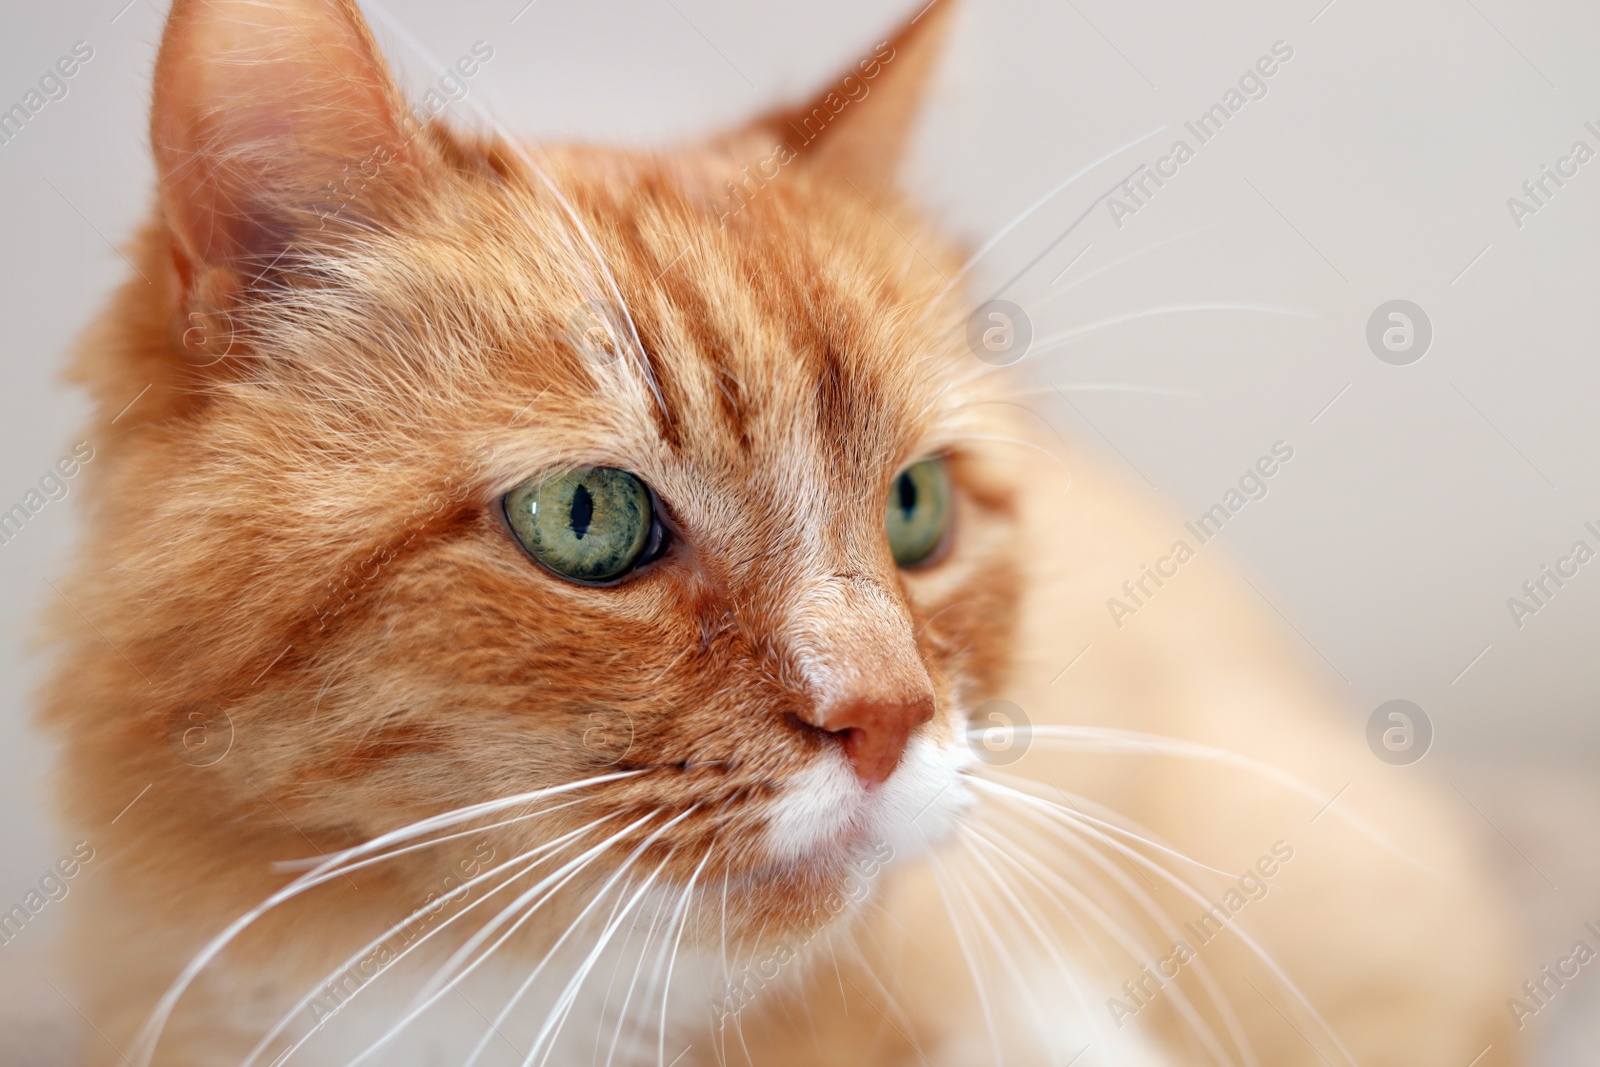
(1377, 167)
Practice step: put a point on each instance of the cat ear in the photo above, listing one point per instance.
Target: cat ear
(272, 120)
(860, 124)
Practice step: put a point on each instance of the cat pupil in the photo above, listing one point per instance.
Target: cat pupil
(582, 511)
(907, 490)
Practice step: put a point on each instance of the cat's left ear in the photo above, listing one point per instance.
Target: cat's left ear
(276, 125)
(859, 125)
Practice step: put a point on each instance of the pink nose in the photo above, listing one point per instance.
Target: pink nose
(874, 731)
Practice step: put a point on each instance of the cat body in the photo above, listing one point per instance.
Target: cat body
(393, 771)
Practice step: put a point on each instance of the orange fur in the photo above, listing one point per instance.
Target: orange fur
(295, 536)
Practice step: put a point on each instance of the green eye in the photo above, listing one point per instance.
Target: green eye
(591, 525)
(918, 511)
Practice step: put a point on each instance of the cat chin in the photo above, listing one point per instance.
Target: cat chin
(823, 814)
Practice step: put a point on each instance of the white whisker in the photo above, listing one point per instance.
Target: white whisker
(1000, 947)
(558, 1014)
(1108, 740)
(956, 926)
(1043, 937)
(1055, 341)
(1119, 261)
(1255, 948)
(638, 969)
(599, 895)
(519, 149)
(1019, 790)
(536, 855)
(145, 1047)
(1000, 235)
(1163, 920)
(1125, 387)
(444, 980)
(666, 986)
(1180, 1001)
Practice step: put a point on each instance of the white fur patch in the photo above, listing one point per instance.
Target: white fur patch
(923, 799)
(916, 808)
(817, 806)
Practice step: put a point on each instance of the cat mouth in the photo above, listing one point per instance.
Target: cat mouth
(823, 812)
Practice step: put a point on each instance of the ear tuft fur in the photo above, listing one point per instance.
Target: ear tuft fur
(859, 126)
(273, 121)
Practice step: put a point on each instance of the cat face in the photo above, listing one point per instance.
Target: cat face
(384, 343)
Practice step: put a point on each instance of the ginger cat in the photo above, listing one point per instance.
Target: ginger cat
(547, 607)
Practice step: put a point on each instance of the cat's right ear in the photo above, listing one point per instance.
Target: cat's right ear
(276, 127)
